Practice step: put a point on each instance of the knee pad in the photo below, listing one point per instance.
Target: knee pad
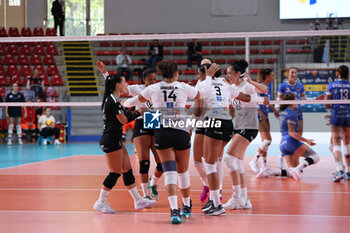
(170, 177)
(336, 148)
(144, 166)
(10, 130)
(184, 180)
(265, 145)
(128, 178)
(347, 149)
(111, 180)
(159, 167)
(210, 168)
(169, 166)
(231, 162)
(311, 156)
(19, 130)
(240, 166)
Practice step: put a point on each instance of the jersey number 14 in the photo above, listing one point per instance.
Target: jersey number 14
(170, 96)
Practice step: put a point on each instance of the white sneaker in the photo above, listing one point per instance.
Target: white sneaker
(247, 204)
(254, 165)
(233, 203)
(266, 172)
(45, 142)
(280, 162)
(57, 142)
(143, 203)
(295, 173)
(9, 142)
(20, 141)
(103, 207)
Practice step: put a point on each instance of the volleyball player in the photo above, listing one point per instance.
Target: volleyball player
(340, 122)
(172, 143)
(246, 126)
(291, 144)
(114, 116)
(265, 77)
(143, 138)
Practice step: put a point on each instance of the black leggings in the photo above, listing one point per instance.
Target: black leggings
(50, 131)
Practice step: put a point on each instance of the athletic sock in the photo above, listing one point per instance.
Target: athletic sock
(339, 166)
(263, 162)
(144, 187)
(303, 164)
(215, 194)
(173, 202)
(220, 171)
(186, 201)
(244, 193)
(237, 191)
(153, 181)
(103, 195)
(135, 194)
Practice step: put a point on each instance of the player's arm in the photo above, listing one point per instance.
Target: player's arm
(259, 88)
(198, 107)
(295, 135)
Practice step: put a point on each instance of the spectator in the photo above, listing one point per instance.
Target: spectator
(57, 11)
(155, 54)
(14, 114)
(123, 62)
(36, 84)
(194, 53)
(46, 125)
(28, 123)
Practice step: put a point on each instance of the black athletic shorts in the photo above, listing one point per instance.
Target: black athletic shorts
(200, 131)
(165, 138)
(249, 134)
(139, 130)
(110, 143)
(224, 133)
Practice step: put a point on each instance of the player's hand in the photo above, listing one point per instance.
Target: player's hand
(7, 115)
(123, 101)
(311, 142)
(212, 70)
(321, 97)
(277, 114)
(247, 78)
(101, 67)
(266, 101)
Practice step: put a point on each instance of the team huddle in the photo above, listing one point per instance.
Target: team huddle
(238, 105)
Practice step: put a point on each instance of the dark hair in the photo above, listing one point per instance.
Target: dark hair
(343, 72)
(208, 58)
(110, 83)
(202, 69)
(292, 68)
(145, 73)
(167, 69)
(289, 96)
(240, 65)
(263, 73)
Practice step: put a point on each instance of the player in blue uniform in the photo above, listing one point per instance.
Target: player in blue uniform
(266, 76)
(340, 122)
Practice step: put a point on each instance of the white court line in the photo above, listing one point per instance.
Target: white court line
(163, 190)
(155, 213)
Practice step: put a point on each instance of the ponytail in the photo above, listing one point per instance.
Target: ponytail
(110, 83)
(263, 73)
(289, 96)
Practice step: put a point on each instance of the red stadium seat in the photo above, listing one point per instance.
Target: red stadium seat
(12, 49)
(305, 51)
(106, 62)
(39, 49)
(272, 60)
(51, 92)
(1, 61)
(166, 52)
(15, 79)
(50, 32)
(38, 31)
(35, 59)
(292, 51)
(277, 51)
(2, 70)
(266, 42)
(9, 59)
(3, 95)
(140, 53)
(129, 44)
(52, 70)
(117, 44)
(26, 70)
(2, 49)
(215, 51)
(259, 61)
(49, 60)
(240, 42)
(12, 70)
(131, 82)
(3, 32)
(229, 43)
(125, 33)
(22, 59)
(13, 31)
(190, 72)
(51, 49)
(228, 51)
(45, 79)
(26, 49)
(102, 53)
(111, 34)
(204, 43)
(277, 42)
(178, 52)
(167, 43)
(303, 42)
(104, 44)
(230, 61)
(205, 52)
(181, 62)
(254, 42)
(179, 43)
(220, 61)
(254, 71)
(26, 31)
(56, 80)
(254, 51)
(40, 68)
(266, 51)
(216, 43)
(3, 80)
(240, 51)
(291, 42)
(141, 44)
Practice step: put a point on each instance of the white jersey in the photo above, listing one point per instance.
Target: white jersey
(137, 89)
(170, 99)
(205, 104)
(246, 113)
(220, 93)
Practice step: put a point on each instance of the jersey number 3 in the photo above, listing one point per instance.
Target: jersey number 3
(170, 96)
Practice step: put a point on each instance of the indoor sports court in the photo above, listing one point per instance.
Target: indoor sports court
(174, 116)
